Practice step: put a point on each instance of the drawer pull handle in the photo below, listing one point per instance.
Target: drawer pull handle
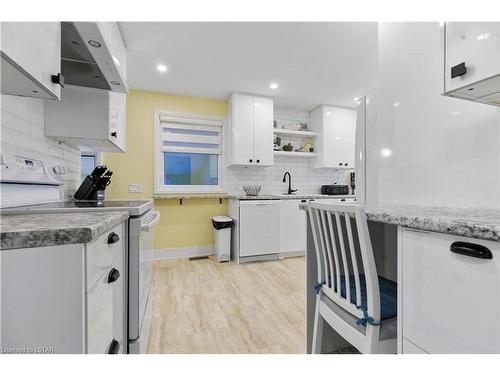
(113, 238)
(471, 250)
(113, 275)
(114, 347)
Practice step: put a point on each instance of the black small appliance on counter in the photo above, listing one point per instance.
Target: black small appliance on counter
(92, 188)
(335, 189)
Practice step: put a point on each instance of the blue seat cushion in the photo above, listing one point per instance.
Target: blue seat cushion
(388, 294)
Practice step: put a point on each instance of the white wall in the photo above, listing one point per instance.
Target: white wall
(445, 151)
(304, 178)
(22, 121)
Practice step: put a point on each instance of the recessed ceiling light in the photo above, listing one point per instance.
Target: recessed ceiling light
(396, 104)
(483, 36)
(161, 68)
(94, 43)
(273, 86)
(116, 83)
(328, 113)
(386, 152)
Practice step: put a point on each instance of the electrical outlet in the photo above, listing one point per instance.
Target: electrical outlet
(135, 188)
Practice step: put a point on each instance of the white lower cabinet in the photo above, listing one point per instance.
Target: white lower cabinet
(449, 293)
(49, 303)
(259, 228)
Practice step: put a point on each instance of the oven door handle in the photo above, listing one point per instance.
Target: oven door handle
(148, 226)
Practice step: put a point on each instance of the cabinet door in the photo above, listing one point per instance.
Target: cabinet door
(477, 44)
(348, 138)
(105, 312)
(259, 228)
(339, 127)
(263, 131)
(35, 48)
(242, 129)
(117, 122)
(451, 302)
(293, 227)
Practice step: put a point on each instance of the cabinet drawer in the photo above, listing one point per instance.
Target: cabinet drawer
(105, 311)
(103, 251)
(450, 302)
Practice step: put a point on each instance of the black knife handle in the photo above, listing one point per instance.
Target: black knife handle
(471, 250)
(114, 347)
(113, 275)
(113, 238)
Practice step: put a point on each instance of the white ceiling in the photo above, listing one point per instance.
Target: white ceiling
(313, 63)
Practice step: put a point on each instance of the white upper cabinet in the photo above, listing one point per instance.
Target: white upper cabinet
(472, 60)
(336, 128)
(31, 55)
(90, 118)
(250, 140)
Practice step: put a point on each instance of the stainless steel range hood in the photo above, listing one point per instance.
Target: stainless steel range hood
(87, 58)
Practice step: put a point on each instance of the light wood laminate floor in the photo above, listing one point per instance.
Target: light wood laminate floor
(201, 306)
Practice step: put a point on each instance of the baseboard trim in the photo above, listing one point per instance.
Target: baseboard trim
(182, 252)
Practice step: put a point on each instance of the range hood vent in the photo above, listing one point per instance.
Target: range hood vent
(486, 91)
(85, 58)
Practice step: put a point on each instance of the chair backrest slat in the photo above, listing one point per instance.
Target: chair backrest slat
(314, 230)
(330, 275)
(322, 244)
(344, 258)
(335, 251)
(353, 257)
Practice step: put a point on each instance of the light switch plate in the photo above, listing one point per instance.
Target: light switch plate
(135, 188)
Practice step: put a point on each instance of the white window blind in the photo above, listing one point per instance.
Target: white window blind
(190, 135)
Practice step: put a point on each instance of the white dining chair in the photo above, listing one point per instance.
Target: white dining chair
(356, 302)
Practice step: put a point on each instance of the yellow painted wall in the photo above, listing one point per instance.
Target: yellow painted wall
(180, 225)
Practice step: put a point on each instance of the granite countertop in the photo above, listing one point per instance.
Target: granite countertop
(293, 196)
(481, 223)
(39, 230)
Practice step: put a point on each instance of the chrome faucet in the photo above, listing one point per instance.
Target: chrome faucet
(290, 190)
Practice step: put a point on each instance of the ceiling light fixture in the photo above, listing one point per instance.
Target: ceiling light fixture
(483, 36)
(273, 86)
(396, 104)
(385, 152)
(161, 68)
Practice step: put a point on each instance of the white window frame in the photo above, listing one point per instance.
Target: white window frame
(159, 177)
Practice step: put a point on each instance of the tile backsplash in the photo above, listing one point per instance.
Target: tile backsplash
(305, 178)
(22, 124)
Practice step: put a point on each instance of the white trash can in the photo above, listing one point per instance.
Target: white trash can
(222, 233)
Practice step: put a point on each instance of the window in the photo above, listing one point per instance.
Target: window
(188, 153)
(87, 165)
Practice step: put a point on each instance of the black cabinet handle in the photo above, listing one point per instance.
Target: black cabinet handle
(58, 79)
(113, 275)
(258, 161)
(113, 238)
(342, 200)
(471, 250)
(303, 201)
(114, 347)
(458, 70)
(251, 160)
(114, 134)
(346, 164)
(340, 163)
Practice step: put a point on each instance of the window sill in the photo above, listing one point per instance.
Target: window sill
(207, 195)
